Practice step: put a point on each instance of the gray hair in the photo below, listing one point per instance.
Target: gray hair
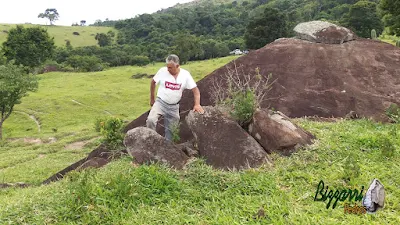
(172, 58)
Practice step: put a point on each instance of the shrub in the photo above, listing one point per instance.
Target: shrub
(351, 168)
(243, 104)
(398, 43)
(111, 130)
(85, 63)
(393, 112)
(50, 66)
(175, 129)
(139, 60)
(68, 44)
(242, 93)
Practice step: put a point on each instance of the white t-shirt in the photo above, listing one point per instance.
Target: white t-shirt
(170, 90)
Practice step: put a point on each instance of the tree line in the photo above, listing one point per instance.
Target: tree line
(239, 24)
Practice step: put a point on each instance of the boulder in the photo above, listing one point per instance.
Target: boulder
(276, 133)
(146, 146)
(323, 32)
(222, 142)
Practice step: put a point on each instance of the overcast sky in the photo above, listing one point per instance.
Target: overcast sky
(71, 11)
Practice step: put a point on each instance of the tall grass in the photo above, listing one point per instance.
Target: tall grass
(280, 194)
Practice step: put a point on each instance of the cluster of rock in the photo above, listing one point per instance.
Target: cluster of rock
(315, 77)
(220, 140)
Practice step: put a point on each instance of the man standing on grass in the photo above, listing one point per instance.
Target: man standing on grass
(173, 80)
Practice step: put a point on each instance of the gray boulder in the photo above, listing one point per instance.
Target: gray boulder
(147, 146)
(222, 142)
(323, 32)
(276, 133)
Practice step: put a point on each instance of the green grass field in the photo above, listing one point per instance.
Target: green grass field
(122, 194)
(62, 33)
(66, 107)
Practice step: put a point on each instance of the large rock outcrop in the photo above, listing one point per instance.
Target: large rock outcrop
(276, 133)
(223, 143)
(147, 146)
(313, 79)
(323, 32)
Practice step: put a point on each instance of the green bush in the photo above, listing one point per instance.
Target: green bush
(111, 130)
(398, 43)
(393, 112)
(51, 66)
(243, 105)
(351, 168)
(139, 60)
(85, 63)
(245, 92)
(175, 129)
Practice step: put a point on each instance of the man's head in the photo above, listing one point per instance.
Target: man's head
(173, 64)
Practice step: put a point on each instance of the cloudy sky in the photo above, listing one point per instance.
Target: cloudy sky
(71, 11)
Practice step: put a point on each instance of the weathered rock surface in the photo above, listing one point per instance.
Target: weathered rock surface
(276, 133)
(323, 32)
(147, 146)
(223, 143)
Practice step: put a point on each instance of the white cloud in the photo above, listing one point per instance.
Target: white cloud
(27, 11)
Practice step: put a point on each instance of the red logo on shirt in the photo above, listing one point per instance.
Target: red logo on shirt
(172, 86)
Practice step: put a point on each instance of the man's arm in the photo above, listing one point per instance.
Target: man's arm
(197, 107)
(152, 90)
(196, 94)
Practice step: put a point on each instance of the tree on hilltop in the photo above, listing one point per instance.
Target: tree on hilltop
(83, 22)
(104, 39)
(51, 14)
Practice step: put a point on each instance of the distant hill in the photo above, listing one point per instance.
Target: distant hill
(63, 33)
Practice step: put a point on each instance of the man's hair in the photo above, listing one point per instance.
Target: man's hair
(172, 58)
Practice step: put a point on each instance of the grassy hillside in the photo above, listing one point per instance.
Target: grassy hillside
(62, 33)
(346, 154)
(66, 107)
